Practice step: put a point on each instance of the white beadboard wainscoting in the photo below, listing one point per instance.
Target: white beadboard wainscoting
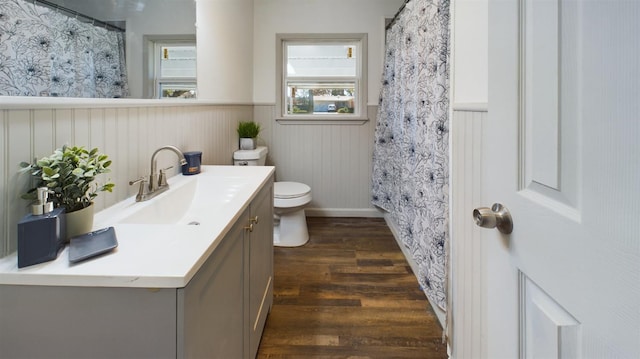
(333, 159)
(129, 135)
(467, 252)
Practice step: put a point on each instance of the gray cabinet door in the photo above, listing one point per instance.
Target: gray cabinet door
(212, 319)
(260, 266)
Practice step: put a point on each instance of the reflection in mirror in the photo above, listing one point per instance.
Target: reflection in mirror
(176, 69)
(73, 48)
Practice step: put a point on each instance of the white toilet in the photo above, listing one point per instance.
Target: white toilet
(290, 198)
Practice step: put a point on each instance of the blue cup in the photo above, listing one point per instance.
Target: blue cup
(194, 159)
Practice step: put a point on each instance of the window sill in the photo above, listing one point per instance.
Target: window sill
(315, 120)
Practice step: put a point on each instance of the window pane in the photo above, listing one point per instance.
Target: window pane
(177, 90)
(321, 98)
(321, 60)
(178, 61)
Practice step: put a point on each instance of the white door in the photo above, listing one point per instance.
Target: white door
(560, 151)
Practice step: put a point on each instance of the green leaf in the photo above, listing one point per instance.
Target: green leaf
(70, 172)
(49, 171)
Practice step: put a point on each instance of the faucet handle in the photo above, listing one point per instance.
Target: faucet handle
(142, 181)
(162, 180)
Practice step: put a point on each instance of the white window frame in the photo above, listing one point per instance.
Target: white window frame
(360, 111)
(152, 58)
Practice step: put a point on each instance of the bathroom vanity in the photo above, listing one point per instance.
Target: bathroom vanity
(192, 277)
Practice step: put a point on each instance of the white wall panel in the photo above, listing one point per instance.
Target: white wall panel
(4, 188)
(43, 138)
(81, 130)
(19, 145)
(467, 249)
(97, 139)
(63, 126)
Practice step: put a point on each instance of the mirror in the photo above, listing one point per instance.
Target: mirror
(67, 64)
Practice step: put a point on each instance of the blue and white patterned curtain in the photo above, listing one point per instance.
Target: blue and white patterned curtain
(46, 53)
(411, 152)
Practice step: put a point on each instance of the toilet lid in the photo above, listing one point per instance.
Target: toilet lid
(250, 154)
(290, 189)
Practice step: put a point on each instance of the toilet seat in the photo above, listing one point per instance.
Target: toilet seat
(290, 189)
(290, 194)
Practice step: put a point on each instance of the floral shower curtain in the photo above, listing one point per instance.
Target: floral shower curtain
(411, 152)
(46, 53)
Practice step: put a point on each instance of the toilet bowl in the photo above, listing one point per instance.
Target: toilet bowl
(289, 201)
(290, 222)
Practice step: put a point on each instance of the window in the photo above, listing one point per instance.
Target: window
(321, 77)
(175, 69)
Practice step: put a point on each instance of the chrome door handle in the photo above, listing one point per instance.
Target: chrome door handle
(497, 216)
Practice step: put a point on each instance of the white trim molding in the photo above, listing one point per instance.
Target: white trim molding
(470, 107)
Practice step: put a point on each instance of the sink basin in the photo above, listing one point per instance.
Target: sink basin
(190, 200)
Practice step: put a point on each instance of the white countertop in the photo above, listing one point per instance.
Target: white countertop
(149, 255)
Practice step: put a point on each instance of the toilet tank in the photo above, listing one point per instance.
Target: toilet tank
(255, 157)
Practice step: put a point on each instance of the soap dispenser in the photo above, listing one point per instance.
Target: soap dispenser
(41, 234)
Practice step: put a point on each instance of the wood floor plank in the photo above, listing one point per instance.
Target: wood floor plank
(348, 293)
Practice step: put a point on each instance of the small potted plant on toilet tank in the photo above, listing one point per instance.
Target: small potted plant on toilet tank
(248, 132)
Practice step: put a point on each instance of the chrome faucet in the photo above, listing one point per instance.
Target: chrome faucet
(157, 179)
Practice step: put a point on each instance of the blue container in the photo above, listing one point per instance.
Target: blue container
(41, 237)
(194, 159)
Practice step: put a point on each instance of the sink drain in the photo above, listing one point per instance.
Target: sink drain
(193, 223)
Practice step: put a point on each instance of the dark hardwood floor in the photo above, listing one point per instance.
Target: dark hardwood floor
(348, 293)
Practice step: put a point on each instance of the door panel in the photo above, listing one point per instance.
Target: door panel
(539, 79)
(560, 151)
(548, 83)
(548, 330)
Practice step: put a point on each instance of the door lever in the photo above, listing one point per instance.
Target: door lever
(497, 216)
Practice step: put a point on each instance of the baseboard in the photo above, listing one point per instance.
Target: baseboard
(441, 314)
(344, 212)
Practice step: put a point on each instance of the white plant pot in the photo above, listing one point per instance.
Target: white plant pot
(248, 143)
(80, 221)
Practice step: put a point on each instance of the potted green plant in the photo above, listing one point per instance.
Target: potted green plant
(248, 133)
(70, 173)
